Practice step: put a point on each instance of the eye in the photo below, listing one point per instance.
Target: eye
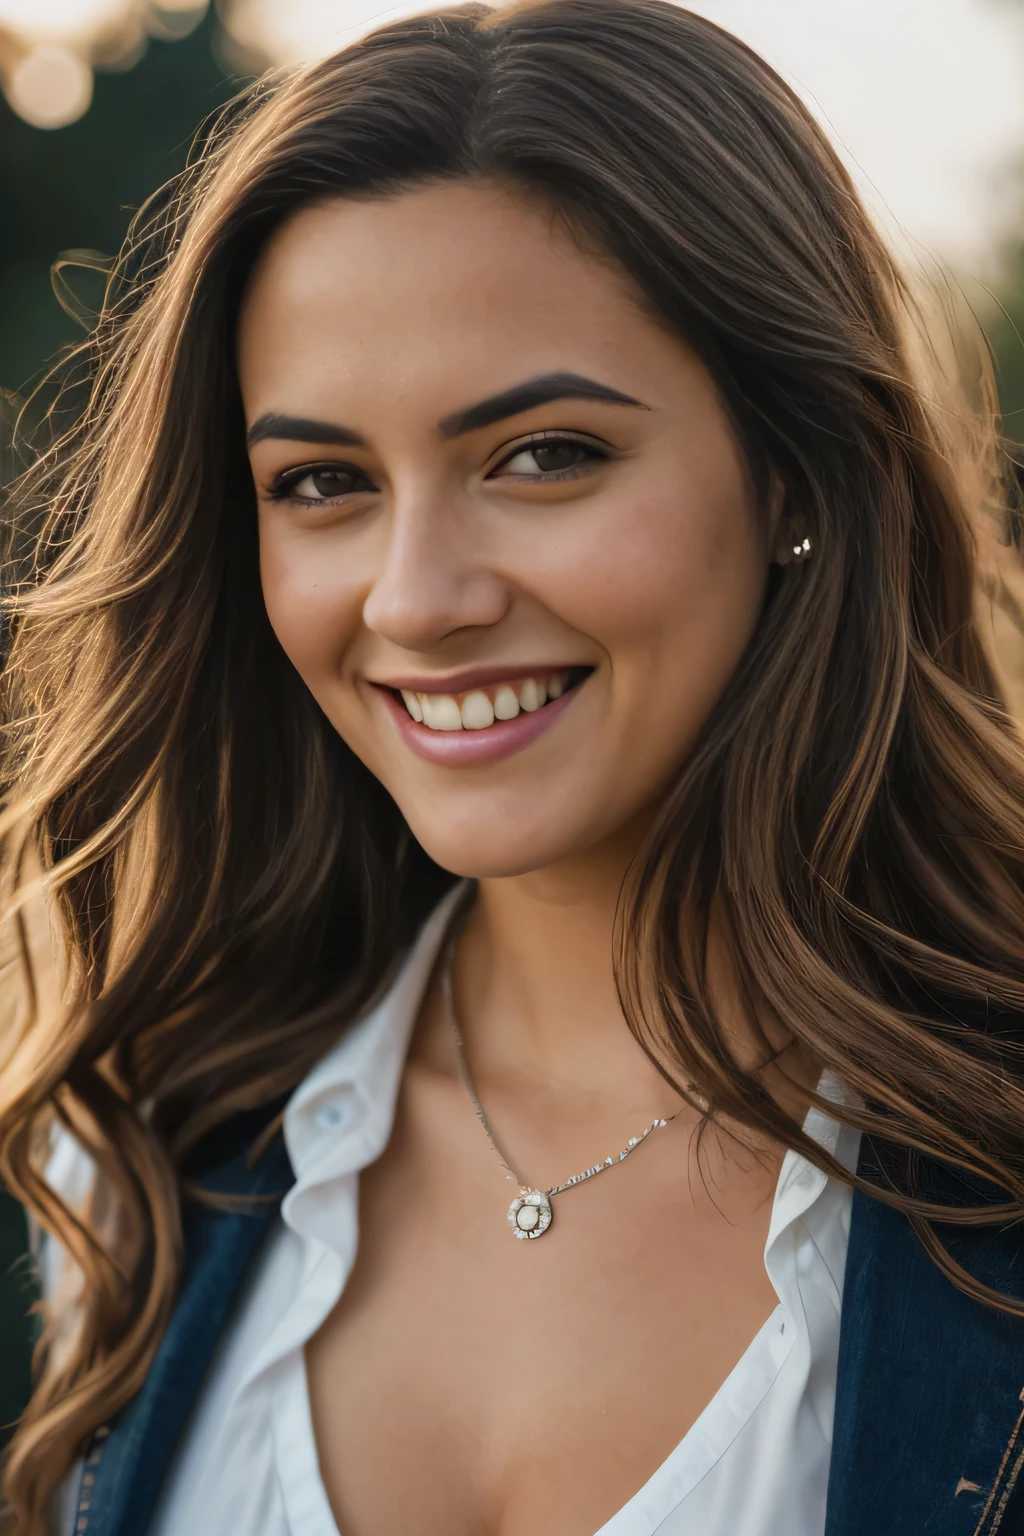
(321, 482)
(552, 458)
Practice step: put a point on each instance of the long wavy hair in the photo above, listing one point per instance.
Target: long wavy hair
(227, 886)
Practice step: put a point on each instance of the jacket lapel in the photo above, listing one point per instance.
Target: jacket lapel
(126, 1463)
(929, 1425)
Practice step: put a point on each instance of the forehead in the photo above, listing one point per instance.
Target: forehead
(454, 289)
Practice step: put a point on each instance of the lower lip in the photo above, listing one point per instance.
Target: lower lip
(457, 749)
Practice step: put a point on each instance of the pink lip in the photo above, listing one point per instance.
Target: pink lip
(457, 749)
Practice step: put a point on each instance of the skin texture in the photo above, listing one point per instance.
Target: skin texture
(649, 567)
(645, 561)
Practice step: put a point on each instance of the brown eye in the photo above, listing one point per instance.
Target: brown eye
(325, 483)
(555, 456)
(558, 457)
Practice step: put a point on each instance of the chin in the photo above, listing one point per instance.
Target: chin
(493, 837)
(483, 851)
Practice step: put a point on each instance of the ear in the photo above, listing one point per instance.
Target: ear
(787, 541)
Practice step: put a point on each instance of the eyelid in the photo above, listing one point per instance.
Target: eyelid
(286, 476)
(553, 434)
(286, 479)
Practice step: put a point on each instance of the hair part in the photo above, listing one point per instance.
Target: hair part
(231, 885)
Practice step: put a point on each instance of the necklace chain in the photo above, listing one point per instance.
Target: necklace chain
(460, 1051)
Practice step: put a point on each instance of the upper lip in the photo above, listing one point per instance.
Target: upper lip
(469, 678)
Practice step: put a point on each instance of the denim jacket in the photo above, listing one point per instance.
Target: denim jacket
(929, 1421)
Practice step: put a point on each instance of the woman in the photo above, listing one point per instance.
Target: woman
(508, 585)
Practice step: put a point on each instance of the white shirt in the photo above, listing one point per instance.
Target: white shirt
(756, 1461)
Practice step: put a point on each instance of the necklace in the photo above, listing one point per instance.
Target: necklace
(530, 1213)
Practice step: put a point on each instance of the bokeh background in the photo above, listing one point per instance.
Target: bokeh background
(102, 100)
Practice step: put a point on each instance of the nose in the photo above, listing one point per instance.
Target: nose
(435, 578)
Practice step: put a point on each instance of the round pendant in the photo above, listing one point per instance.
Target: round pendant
(530, 1213)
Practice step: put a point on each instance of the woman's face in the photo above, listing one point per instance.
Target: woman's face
(507, 534)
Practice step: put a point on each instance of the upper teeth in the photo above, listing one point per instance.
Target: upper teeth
(480, 708)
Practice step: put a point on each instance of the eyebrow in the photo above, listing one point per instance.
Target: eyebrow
(510, 402)
(302, 429)
(523, 397)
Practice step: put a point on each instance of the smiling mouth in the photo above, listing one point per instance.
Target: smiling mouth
(479, 708)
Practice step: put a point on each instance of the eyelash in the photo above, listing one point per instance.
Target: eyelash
(283, 487)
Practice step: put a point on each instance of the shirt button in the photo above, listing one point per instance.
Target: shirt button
(330, 1115)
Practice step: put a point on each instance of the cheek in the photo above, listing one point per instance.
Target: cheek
(671, 583)
(313, 601)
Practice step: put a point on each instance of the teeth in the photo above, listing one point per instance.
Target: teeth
(477, 712)
(506, 705)
(440, 712)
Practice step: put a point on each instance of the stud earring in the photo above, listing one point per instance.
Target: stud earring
(802, 551)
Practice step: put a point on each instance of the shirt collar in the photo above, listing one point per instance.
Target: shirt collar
(339, 1118)
(800, 1183)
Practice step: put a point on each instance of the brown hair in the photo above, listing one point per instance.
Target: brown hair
(231, 885)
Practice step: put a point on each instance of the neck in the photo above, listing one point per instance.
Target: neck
(534, 983)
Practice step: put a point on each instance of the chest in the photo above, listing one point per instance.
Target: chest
(923, 1437)
(470, 1383)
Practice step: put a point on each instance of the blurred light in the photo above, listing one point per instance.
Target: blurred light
(119, 48)
(174, 19)
(63, 21)
(293, 31)
(50, 87)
